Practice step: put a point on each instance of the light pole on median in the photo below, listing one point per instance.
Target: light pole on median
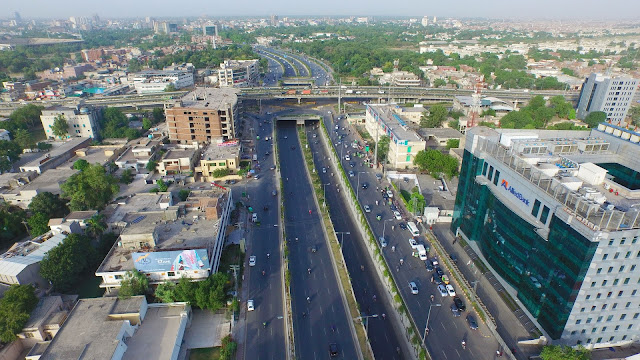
(342, 234)
(324, 190)
(358, 188)
(384, 226)
(365, 319)
(426, 326)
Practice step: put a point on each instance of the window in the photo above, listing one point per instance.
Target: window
(620, 293)
(574, 332)
(621, 268)
(627, 255)
(629, 327)
(582, 310)
(536, 208)
(604, 282)
(588, 297)
(496, 178)
(605, 256)
(408, 149)
(626, 281)
(118, 277)
(593, 308)
(623, 316)
(634, 240)
(633, 293)
(615, 305)
(628, 304)
(594, 329)
(615, 282)
(617, 327)
(610, 317)
(624, 337)
(633, 267)
(610, 269)
(593, 284)
(604, 328)
(545, 214)
(485, 166)
(578, 322)
(635, 316)
(588, 320)
(616, 255)
(610, 242)
(609, 294)
(599, 271)
(622, 241)
(490, 173)
(604, 306)
(599, 319)
(599, 340)
(598, 296)
(171, 273)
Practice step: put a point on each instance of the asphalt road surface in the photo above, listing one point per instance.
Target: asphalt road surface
(382, 337)
(323, 319)
(266, 291)
(446, 332)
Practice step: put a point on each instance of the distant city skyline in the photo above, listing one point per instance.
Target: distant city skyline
(541, 9)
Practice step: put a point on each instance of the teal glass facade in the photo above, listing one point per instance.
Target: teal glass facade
(546, 274)
(623, 175)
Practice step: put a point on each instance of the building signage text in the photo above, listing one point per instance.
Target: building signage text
(506, 186)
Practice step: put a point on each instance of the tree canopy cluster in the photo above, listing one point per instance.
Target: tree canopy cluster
(206, 58)
(92, 188)
(43, 207)
(133, 283)
(208, 294)
(536, 115)
(114, 124)
(555, 352)
(436, 163)
(66, 263)
(15, 310)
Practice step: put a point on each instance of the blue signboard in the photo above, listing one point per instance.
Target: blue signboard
(181, 260)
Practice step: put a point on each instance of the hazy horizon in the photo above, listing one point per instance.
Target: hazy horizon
(497, 9)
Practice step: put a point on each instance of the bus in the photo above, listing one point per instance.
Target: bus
(413, 228)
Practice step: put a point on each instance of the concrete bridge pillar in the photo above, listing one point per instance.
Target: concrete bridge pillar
(299, 98)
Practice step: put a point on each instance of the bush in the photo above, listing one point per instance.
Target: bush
(134, 283)
(218, 173)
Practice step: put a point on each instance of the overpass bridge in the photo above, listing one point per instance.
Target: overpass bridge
(361, 93)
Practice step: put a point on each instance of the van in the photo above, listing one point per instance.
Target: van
(413, 228)
(422, 252)
(254, 217)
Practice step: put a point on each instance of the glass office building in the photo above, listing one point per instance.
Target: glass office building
(556, 227)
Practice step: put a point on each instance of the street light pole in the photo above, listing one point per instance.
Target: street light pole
(384, 226)
(358, 188)
(365, 318)
(324, 191)
(342, 233)
(426, 326)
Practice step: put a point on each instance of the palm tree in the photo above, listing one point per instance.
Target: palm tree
(96, 225)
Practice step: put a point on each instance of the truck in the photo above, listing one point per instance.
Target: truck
(291, 92)
(422, 252)
(349, 92)
(306, 92)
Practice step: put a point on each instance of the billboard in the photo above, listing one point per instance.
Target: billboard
(181, 260)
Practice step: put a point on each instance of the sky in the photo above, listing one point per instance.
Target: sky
(514, 9)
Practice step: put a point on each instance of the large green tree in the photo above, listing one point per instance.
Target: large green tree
(25, 117)
(383, 149)
(15, 309)
(594, 118)
(9, 153)
(556, 352)
(60, 127)
(90, 189)
(133, 283)
(11, 224)
(80, 164)
(66, 263)
(436, 163)
(23, 138)
(634, 114)
(49, 204)
(38, 224)
(115, 124)
(437, 116)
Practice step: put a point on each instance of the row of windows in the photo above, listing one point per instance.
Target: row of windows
(624, 241)
(620, 269)
(615, 282)
(617, 255)
(609, 319)
(604, 307)
(610, 293)
(611, 339)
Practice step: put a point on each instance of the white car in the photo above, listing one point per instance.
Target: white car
(367, 209)
(250, 305)
(347, 157)
(414, 288)
(383, 242)
(252, 260)
(443, 290)
(389, 193)
(413, 243)
(450, 290)
(397, 215)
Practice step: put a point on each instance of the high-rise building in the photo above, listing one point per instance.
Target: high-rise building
(274, 20)
(238, 73)
(610, 95)
(211, 30)
(555, 214)
(203, 115)
(425, 20)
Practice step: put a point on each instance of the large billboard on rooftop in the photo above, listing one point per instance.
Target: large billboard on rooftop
(182, 260)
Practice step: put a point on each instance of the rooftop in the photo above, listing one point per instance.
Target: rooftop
(210, 98)
(23, 254)
(446, 133)
(94, 154)
(49, 181)
(178, 153)
(140, 202)
(147, 73)
(57, 151)
(88, 332)
(219, 151)
(394, 123)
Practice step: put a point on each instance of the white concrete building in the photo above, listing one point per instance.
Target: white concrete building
(83, 121)
(610, 95)
(153, 81)
(238, 73)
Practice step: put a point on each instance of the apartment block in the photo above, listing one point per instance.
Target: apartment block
(238, 73)
(610, 95)
(82, 121)
(154, 81)
(223, 155)
(203, 115)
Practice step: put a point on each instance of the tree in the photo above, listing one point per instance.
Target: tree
(24, 117)
(23, 138)
(96, 225)
(436, 163)
(162, 186)
(9, 154)
(453, 143)
(158, 115)
(439, 82)
(15, 309)
(437, 115)
(126, 177)
(146, 124)
(165, 292)
(594, 118)
(170, 88)
(43, 146)
(634, 114)
(557, 352)
(11, 227)
(81, 164)
(60, 127)
(49, 204)
(383, 149)
(184, 194)
(66, 263)
(115, 124)
(151, 166)
(133, 283)
(38, 224)
(90, 189)
(211, 293)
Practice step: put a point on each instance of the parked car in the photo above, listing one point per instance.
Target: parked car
(473, 324)
(252, 260)
(413, 243)
(450, 290)
(250, 305)
(365, 186)
(454, 310)
(347, 157)
(435, 279)
(351, 173)
(367, 209)
(414, 288)
(324, 170)
(459, 303)
(442, 290)
(397, 215)
(402, 226)
(383, 242)
(378, 176)
(439, 271)
(389, 193)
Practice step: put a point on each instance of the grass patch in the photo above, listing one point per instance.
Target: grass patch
(212, 353)
(508, 300)
(480, 265)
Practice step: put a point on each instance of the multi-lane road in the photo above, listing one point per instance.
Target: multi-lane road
(294, 65)
(320, 317)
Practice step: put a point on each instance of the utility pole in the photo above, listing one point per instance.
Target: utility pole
(426, 326)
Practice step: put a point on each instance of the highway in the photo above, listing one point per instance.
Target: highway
(323, 319)
(446, 332)
(266, 291)
(318, 73)
(383, 338)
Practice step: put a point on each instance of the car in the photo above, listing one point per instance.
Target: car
(274, 193)
(250, 305)
(442, 290)
(414, 288)
(459, 303)
(473, 324)
(453, 257)
(252, 260)
(352, 164)
(397, 215)
(256, 177)
(333, 350)
(347, 157)
(389, 194)
(286, 137)
(394, 208)
(406, 179)
(367, 209)
(439, 271)
(402, 226)
(454, 310)
(413, 243)
(351, 173)
(324, 170)
(435, 278)
(365, 186)
(383, 242)
(450, 290)
(378, 176)
(267, 153)
(272, 168)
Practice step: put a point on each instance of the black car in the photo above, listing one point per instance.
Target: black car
(454, 310)
(333, 349)
(439, 271)
(430, 268)
(459, 303)
(402, 226)
(365, 185)
(473, 324)
(436, 279)
(352, 164)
